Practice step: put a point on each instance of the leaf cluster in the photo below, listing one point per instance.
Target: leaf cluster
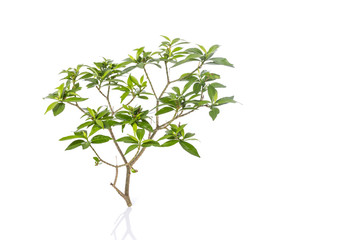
(188, 93)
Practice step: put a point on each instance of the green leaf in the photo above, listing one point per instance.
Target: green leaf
(94, 129)
(165, 99)
(81, 133)
(149, 143)
(179, 63)
(51, 96)
(202, 48)
(212, 93)
(107, 73)
(123, 117)
(175, 41)
(189, 148)
(134, 126)
(128, 69)
(110, 123)
(210, 76)
(165, 137)
(177, 49)
(102, 113)
(85, 145)
(60, 90)
(220, 61)
(70, 137)
(134, 80)
(98, 64)
(196, 88)
(85, 124)
(177, 90)
(58, 108)
(130, 83)
(127, 139)
(192, 57)
(86, 75)
(75, 144)
(174, 128)
(225, 100)
(133, 138)
(169, 143)
(214, 112)
(100, 139)
(189, 135)
(100, 123)
(74, 99)
(200, 103)
(180, 128)
(146, 125)
(194, 50)
(91, 85)
(92, 112)
(97, 161)
(187, 86)
(124, 95)
(140, 134)
(213, 49)
(51, 106)
(130, 148)
(164, 110)
(217, 85)
(165, 37)
(139, 51)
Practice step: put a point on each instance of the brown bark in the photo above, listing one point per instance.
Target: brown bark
(125, 197)
(127, 182)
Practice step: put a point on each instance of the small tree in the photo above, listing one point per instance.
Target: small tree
(199, 90)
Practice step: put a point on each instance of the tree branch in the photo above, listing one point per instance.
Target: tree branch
(157, 99)
(133, 161)
(118, 190)
(181, 78)
(116, 175)
(77, 105)
(152, 88)
(138, 155)
(107, 98)
(101, 160)
(132, 99)
(167, 72)
(117, 145)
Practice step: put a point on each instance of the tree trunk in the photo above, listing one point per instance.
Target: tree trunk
(127, 186)
(124, 195)
(128, 201)
(127, 182)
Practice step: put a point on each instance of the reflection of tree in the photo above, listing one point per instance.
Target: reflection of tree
(122, 216)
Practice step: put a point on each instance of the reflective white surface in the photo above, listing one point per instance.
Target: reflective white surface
(284, 165)
(123, 225)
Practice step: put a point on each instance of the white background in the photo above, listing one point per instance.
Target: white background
(283, 165)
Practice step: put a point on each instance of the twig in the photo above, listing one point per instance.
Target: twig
(107, 98)
(132, 99)
(101, 160)
(167, 72)
(152, 88)
(136, 157)
(77, 105)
